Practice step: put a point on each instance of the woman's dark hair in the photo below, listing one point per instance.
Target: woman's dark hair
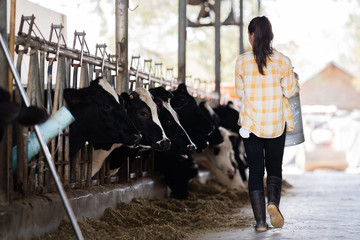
(262, 48)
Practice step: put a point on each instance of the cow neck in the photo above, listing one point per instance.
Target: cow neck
(175, 116)
(145, 96)
(99, 156)
(210, 109)
(77, 139)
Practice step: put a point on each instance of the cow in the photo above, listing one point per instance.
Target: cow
(180, 140)
(229, 116)
(219, 154)
(220, 161)
(176, 164)
(13, 112)
(100, 119)
(191, 117)
(143, 111)
(215, 137)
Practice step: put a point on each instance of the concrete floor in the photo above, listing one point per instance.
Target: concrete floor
(321, 205)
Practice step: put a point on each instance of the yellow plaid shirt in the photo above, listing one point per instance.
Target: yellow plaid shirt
(264, 105)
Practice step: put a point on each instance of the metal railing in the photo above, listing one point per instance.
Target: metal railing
(54, 66)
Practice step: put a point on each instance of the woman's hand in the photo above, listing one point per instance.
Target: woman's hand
(296, 76)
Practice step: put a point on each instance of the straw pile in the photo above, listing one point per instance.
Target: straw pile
(210, 206)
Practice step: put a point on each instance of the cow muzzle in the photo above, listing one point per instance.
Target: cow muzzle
(163, 145)
(191, 148)
(137, 139)
(230, 173)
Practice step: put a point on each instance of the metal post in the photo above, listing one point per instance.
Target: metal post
(41, 141)
(241, 25)
(121, 18)
(259, 7)
(217, 47)
(4, 150)
(182, 42)
(12, 40)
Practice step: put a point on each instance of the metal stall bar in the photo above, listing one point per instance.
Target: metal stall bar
(241, 28)
(113, 58)
(42, 142)
(217, 48)
(102, 52)
(49, 47)
(137, 82)
(182, 42)
(21, 141)
(121, 33)
(5, 163)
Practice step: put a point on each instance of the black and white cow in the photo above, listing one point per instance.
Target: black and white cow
(143, 111)
(218, 157)
(180, 141)
(215, 137)
(176, 164)
(220, 161)
(229, 116)
(13, 112)
(191, 117)
(100, 118)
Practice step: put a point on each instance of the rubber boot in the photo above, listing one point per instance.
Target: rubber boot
(274, 194)
(257, 199)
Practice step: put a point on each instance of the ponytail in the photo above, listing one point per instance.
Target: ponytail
(262, 49)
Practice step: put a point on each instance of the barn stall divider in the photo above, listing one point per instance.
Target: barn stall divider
(54, 66)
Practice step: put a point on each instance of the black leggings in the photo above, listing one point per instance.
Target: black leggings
(260, 151)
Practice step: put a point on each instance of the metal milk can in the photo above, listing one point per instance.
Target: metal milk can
(297, 136)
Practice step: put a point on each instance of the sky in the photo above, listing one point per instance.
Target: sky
(312, 33)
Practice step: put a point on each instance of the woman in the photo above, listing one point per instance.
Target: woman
(264, 80)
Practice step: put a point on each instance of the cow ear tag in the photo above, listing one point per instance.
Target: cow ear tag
(131, 96)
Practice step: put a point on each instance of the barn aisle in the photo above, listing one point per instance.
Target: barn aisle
(320, 205)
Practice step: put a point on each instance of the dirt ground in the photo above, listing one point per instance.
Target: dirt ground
(210, 206)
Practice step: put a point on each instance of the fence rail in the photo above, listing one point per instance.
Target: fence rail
(52, 67)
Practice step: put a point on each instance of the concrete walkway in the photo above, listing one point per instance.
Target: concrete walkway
(321, 205)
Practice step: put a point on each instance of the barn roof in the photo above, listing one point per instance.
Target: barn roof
(331, 86)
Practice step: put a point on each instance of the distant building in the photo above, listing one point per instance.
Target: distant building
(331, 86)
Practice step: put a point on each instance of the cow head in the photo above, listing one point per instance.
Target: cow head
(228, 117)
(144, 113)
(180, 141)
(100, 117)
(191, 117)
(215, 137)
(222, 155)
(12, 111)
